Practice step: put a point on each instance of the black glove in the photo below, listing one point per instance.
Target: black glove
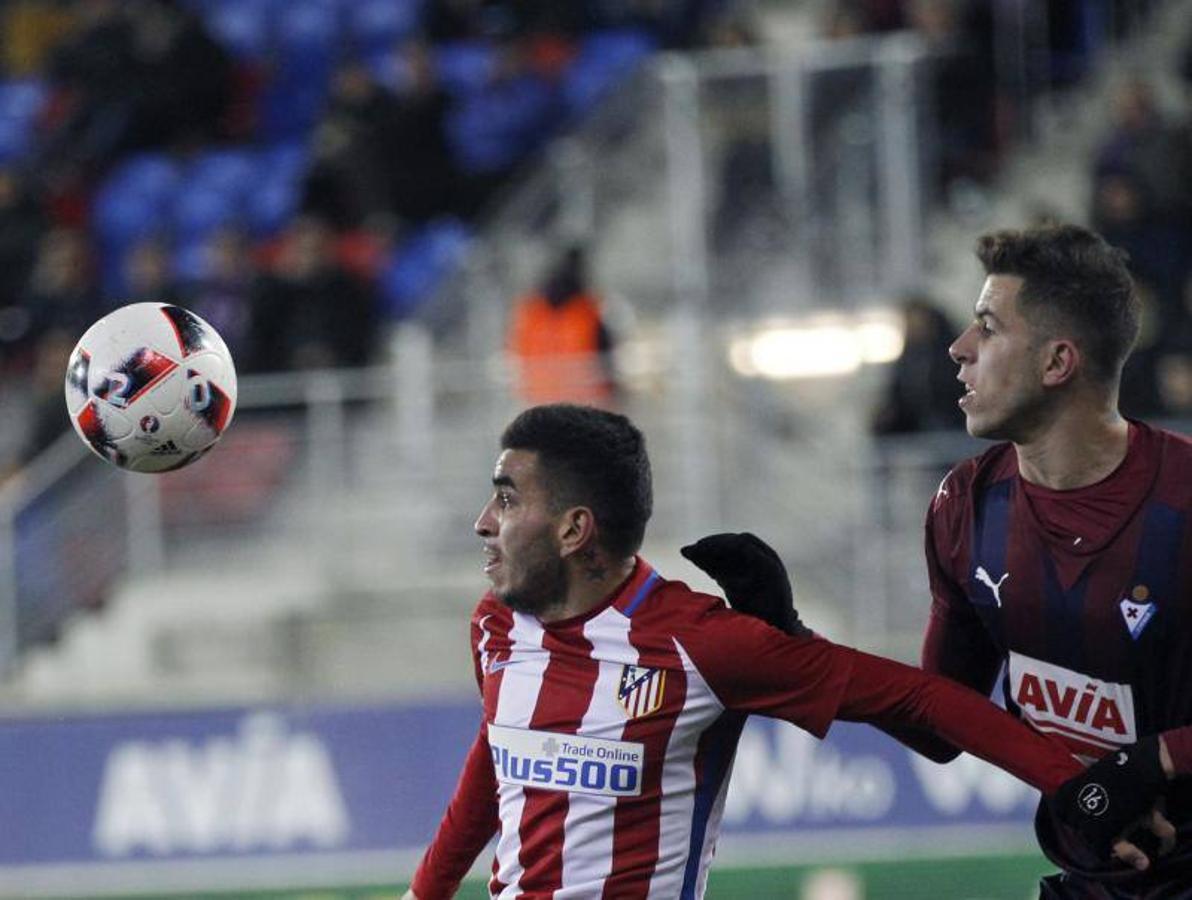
(1111, 794)
(752, 576)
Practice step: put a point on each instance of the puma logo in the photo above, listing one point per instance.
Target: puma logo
(995, 586)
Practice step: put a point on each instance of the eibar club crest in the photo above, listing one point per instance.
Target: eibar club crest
(1137, 609)
(640, 691)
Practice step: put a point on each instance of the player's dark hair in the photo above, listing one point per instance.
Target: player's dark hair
(1073, 281)
(594, 458)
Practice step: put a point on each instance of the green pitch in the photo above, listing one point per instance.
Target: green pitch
(960, 878)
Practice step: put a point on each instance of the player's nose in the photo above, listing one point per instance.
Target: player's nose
(961, 349)
(486, 523)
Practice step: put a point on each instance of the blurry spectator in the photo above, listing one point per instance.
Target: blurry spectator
(962, 85)
(62, 295)
(148, 276)
(1140, 395)
(136, 74)
(190, 76)
(558, 339)
(377, 151)
(1157, 155)
(94, 75)
(22, 223)
(922, 390)
(222, 294)
(309, 312)
(347, 181)
(423, 180)
(1160, 250)
(1174, 372)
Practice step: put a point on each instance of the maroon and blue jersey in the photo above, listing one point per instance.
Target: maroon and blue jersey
(1081, 601)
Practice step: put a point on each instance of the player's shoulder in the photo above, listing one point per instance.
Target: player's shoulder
(971, 476)
(675, 603)
(1169, 443)
(678, 611)
(1171, 453)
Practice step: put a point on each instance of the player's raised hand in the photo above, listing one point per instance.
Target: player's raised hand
(752, 576)
(1111, 796)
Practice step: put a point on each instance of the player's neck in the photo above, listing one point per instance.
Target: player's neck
(590, 582)
(1078, 447)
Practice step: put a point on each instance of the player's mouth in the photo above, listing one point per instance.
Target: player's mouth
(492, 559)
(969, 396)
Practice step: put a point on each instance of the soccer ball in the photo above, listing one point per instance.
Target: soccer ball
(150, 387)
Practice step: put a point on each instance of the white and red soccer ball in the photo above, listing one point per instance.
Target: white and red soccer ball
(150, 387)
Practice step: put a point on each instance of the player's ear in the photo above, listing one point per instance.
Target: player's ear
(576, 530)
(1061, 360)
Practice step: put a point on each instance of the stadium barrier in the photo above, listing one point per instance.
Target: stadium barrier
(286, 797)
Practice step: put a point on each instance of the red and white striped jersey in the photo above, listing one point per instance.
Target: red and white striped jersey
(617, 731)
(604, 756)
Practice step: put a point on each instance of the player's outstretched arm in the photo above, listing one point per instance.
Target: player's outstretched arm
(471, 820)
(752, 576)
(884, 692)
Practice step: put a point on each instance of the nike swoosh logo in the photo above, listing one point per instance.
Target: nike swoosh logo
(498, 664)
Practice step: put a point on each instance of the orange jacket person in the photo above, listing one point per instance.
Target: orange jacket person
(559, 342)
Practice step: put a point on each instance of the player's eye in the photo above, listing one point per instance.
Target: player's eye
(504, 499)
(983, 327)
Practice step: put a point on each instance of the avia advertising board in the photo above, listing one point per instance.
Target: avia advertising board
(292, 796)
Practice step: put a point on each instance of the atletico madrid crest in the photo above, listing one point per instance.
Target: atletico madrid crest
(640, 691)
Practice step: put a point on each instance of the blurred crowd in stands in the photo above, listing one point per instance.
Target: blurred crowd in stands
(298, 172)
(302, 172)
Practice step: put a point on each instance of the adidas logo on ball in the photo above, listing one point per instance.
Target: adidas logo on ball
(150, 387)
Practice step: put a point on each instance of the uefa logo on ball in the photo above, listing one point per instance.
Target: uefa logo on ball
(150, 387)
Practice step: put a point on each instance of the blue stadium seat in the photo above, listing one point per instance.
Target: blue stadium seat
(22, 98)
(270, 206)
(309, 31)
(421, 264)
(16, 139)
(190, 259)
(465, 66)
(231, 172)
(293, 99)
(121, 218)
(374, 26)
(490, 131)
(153, 175)
(285, 159)
(198, 210)
(388, 68)
(605, 58)
(134, 200)
(20, 102)
(242, 27)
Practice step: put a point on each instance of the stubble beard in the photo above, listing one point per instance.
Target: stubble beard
(1019, 423)
(543, 586)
